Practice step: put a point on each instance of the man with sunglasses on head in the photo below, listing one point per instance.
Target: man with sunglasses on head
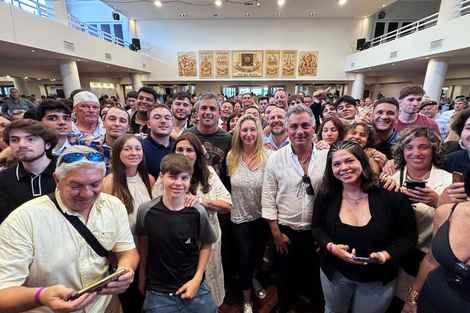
(44, 259)
(292, 177)
(31, 143)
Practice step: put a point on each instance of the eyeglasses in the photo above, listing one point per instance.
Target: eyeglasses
(77, 156)
(158, 117)
(307, 184)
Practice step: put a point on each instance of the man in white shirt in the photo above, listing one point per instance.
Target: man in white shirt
(44, 259)
(87, 110)
(293, 175)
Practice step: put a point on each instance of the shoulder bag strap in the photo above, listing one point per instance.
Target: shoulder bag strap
(82, 229)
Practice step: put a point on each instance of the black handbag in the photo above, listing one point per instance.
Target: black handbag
(88, 236)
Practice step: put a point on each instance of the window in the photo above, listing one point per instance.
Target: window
(382, 28)
(36, 7)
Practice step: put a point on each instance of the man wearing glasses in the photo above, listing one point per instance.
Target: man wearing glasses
(31, 143)
(158, 144)
(44, 259)
(293, 175)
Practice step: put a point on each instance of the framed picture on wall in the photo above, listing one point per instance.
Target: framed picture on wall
(308, 62)
(187, 64)
(272, 60)
(206, 64)
(247, 63)
(222, 64)
(289, 63)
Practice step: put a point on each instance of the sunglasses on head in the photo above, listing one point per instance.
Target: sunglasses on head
(77, 156)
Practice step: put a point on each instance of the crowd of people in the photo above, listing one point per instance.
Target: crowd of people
(357, 205)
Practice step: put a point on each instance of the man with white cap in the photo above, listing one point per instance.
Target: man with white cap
(87, 109)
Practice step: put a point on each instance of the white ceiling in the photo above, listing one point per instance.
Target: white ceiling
(237, 9)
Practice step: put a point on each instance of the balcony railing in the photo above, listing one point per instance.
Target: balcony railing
(464, 7)
(89, 29)
(406, 30)
(36, 7)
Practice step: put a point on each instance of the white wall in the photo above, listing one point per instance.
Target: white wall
(333, 38)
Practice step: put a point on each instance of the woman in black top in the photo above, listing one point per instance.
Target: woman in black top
(353, 217)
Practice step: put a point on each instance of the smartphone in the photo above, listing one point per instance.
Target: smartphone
(457, 177)
(412, 184)
(360, 258)
(98, 285)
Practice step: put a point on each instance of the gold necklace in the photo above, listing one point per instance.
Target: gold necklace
(356, 201)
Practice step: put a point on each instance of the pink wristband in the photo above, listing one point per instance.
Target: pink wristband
(331, 248)
(36, 296)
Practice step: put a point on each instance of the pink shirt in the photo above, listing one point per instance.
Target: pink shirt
(421, 120)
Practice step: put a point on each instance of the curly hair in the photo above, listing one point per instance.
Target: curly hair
(332, 186)
(370, 132)
(201, 172)
(408, 134)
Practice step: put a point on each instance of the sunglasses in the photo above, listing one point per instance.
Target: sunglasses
(77, 156)
(309, 189)
(462, 276)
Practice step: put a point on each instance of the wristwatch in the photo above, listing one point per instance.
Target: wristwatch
(413, 295)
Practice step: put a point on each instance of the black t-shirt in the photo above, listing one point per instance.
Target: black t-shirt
(217, 145)
(173, 236)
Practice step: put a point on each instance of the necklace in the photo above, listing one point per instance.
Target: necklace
(356, 201)
(251, 159)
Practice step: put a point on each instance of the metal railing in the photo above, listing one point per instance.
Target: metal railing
(464, 7)
(75, 23)
(406, 30)
(32, 6)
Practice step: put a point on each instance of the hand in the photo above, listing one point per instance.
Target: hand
(269, 146)
(54, 298)
(363, 119)
(322, 145)
(189, 290)
(422, 195)
(376, 258)
(267, 131)
(189, 200)
(281, 241)
(390, 184)
(455, 193)
(379, 157)
(120, 285)
(390, 167)
(341, 251)
(409, 307)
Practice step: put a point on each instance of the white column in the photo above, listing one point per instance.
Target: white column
(136, 81)
(434, 79)
(70, 77)
(59, 9)
(449, 10)
(357, 89)
(21, 85)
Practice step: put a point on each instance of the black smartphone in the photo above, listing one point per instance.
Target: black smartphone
(98, 285)
(412, 184)
(361, 258)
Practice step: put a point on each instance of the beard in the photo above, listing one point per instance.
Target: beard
(31, 158)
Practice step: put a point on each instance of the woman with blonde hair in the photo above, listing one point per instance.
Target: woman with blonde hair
(246, 163)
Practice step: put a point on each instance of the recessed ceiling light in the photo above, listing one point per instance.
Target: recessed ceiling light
(26, 77)
(8, 76)
(107, 65)
(247, 14)
(312, 14)
(383, 5)
(281, 2)
(158, 3)
(33, 51)
(342, 2)
(279, 14)
(215, 14)
(183, 15)
(218, 3)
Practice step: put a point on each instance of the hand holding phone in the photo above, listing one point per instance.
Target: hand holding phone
(361, 258)
(98, 285)
(412, 184)
(457, 177)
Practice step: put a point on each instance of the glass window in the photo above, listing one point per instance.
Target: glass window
(106, 28)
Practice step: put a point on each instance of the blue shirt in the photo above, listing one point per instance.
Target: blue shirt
(442, 120)
(270, 140)
(154, 153)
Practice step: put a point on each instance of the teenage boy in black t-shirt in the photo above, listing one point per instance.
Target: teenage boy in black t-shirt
(171, 263)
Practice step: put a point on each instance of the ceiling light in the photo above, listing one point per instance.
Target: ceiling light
(33, 51)
(183, 15)
(158, 3)
(8, 76)
(342, 2)
(26, 77)
(218, 3)
(258, 4)
(279, 14)
(281, 2)
(247, 14)
(313, 14)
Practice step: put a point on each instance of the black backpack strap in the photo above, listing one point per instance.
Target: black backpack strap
(82, 229)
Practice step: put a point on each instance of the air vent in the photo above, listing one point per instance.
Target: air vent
(353, 64)
(108, 57)
(144, 66)
(436, 44)
(393, 54)
(70, 46)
